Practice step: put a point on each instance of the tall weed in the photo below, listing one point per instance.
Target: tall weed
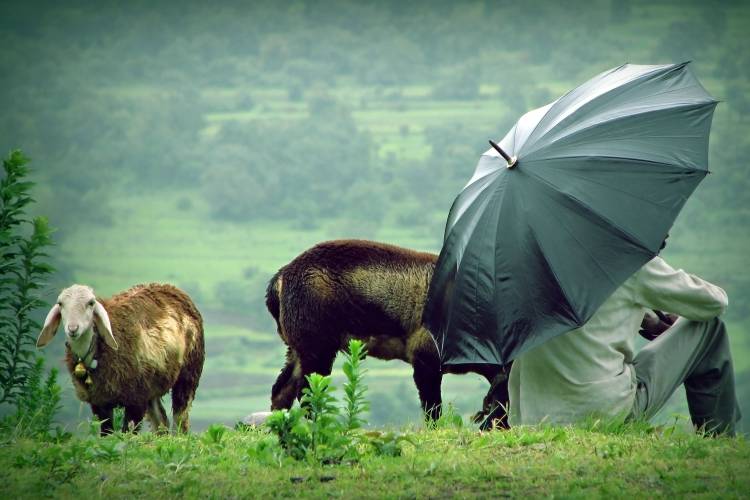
(318, 430)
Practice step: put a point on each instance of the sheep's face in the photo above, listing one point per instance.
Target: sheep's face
(77, 305)
(78, 311)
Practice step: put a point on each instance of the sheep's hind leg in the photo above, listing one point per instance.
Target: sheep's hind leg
(182, 398)
(496, 402)
(157, 416)
(183, 391)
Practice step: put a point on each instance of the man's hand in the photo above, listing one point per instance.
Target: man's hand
(655, 323)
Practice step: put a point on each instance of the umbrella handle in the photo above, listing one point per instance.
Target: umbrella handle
(510, 159)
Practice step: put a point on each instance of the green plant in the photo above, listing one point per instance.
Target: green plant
(449, 418)
(22, 270)
(109, 449)
(214, 434)
(317, 430)
(387, 444)
(118, 418)
(36, 407)
(354, 388)
(94, 424)
(173, 455)
(327, 440)
(293, 431)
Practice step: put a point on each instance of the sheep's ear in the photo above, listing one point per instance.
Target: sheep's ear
(101, 318)
(51, 322)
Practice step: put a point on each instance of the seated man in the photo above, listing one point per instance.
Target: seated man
(593, 370)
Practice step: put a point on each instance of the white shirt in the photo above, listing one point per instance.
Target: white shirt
(589, 370)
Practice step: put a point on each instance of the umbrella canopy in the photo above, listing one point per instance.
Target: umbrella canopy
(577, 197)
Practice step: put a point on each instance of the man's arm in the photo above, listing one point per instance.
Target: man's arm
(659, 286)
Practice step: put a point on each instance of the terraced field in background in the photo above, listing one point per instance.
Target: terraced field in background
(171, 237)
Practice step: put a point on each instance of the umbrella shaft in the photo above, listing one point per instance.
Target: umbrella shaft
(500, 150)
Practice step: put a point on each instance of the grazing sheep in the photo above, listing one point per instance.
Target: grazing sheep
(371, 291)
(130, 350)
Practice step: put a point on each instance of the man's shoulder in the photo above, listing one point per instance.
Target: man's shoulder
(654, 267)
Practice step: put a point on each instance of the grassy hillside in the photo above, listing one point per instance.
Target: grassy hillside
(447, 462)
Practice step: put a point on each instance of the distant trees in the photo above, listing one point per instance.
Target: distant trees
(160, 97)
(298, 170)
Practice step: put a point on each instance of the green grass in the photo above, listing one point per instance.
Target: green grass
(618, 462)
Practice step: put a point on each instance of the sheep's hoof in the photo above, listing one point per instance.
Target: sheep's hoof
(256, 419)
(479, 417)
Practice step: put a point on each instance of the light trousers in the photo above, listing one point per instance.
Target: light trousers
(694, 354)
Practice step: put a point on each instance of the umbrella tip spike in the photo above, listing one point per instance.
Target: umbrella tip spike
(510, 159)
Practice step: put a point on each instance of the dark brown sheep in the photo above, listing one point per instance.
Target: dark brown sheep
(130, 350)
(371, 291)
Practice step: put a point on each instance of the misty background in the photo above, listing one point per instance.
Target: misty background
(206, 145)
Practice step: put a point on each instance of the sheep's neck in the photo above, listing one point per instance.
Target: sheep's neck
(82, 346)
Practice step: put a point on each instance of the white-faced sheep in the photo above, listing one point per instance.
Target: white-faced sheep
(372, 291)
(130, 350)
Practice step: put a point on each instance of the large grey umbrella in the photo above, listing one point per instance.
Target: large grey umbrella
(575, 198)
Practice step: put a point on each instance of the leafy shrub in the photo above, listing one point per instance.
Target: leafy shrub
(317, 430)
(173, 455)
(214, 434)
(388, 443)
(328, 444)
(355, 388)
(22, 271)
(293, 431)
(36, 408)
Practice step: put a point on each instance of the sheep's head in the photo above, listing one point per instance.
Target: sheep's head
(78, 310)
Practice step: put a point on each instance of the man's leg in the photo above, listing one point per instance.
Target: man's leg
(697, 355)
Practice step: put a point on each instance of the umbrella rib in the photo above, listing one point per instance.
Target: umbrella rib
(639, 160)
(585, 249)
(614, 188)
(482, 177)
(638, 78)
(632, 239)
(615, 120)
(468, 186)
(497, 192)
(557, 279)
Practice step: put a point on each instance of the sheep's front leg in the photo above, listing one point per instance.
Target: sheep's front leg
(427, 374)
(133, 418)
(104, 415)
(287, 385)
(428, 380)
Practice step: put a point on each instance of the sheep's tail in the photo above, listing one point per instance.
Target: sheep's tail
(273, 297)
